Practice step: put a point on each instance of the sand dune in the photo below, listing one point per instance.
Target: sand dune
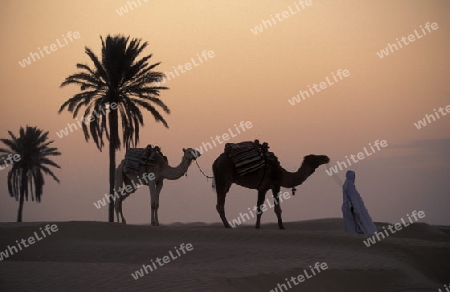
(102, 256)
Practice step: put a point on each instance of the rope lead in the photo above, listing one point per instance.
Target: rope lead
(207, 177)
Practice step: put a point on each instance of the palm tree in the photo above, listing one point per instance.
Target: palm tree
(117, 86)
(32, 153)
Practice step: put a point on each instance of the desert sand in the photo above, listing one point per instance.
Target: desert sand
(99, 256)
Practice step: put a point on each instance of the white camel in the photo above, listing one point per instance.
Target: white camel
(151, 174)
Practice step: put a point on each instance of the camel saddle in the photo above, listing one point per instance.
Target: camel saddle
(134, 157)
(249, 156)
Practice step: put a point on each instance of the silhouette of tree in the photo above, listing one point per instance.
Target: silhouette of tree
(31, 154)
(116, 88)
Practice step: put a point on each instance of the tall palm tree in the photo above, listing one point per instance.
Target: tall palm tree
(117, 86)
(26, 173)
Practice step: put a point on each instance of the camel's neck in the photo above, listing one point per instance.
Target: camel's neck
(172, 173)
(293, 179)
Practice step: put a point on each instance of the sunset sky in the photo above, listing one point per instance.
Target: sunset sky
(247, 77)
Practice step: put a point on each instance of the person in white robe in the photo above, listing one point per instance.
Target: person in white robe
(356, 216)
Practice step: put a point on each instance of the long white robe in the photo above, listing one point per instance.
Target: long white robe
(358, 221)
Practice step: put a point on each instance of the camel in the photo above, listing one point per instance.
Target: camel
(271, 176)
(151, 174)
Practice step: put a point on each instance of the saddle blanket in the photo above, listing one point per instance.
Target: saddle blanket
(246, 157)
(133, 158)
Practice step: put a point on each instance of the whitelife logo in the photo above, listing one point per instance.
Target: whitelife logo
(162, 261)
(265, 24)
(323, 85)
(356, 158)
(11, 158)
(431, 118)
(411, 38)
(10, 250)
(243, 125)
(49, 49)
(183, 68)
(379, 235)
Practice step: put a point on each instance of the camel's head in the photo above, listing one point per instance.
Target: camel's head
(314, 161)
(191, 154)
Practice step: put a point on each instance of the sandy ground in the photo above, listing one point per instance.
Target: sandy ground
(98, 256)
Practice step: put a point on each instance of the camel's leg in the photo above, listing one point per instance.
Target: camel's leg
(118, 207)
(220, 207)
(276, 202)
(223, 181)
(261, 197)
(120, 195)
(159, 186)
(119, 181)
(222, 190)
(152, 188)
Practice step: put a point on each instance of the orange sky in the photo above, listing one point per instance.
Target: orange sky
(250, 78)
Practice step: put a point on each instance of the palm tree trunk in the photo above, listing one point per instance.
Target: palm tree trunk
(19, 213)
(113, 128)
(112, 167)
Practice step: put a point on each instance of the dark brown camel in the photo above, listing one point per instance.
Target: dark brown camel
(272, 177)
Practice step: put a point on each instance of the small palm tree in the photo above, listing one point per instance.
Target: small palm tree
(26, 175)
(116, 87)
